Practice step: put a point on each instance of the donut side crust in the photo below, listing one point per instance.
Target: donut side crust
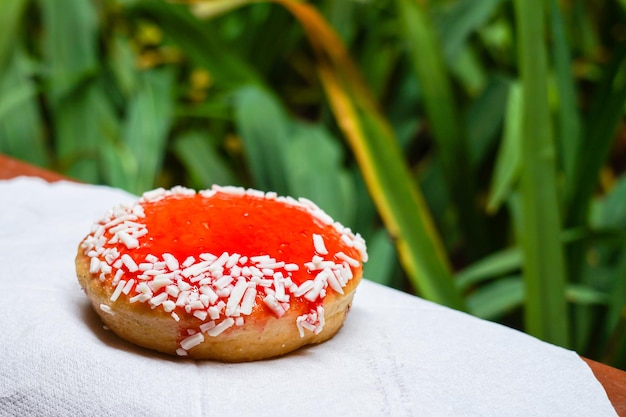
(258, 338)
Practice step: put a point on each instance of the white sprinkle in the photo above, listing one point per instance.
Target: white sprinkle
(235, 296)
(107, 309)
(200, 314)
(210, 294)
(207, 257)
(255, 193)
(159, 282)
(279, 285)
(158, 299)
(128, 240)
(128, 286)
(130, 263)
(189, 261)
(171, 261)
(318, 243)
(274, 305)
(221, 261)
(239, 321)
(191, 341)
(262, 258)
(225, 324)
(172, 290)
(153, 195)
(235, 271)
(94, 266)
(333, 281)
(151, 258)
(138, 211)
(118, 290)
(143, 288)
(196, 269)
(168, 305)
(181, 352)
(118, 275)
(214, 312)
(183, 285)
(305, 287)
(145, 266)
(223, 282)
(205, 327)
(247, 303)
(318, 284)
(291, 267)
(175, 316)
(232, 260)
(353, 262)
(321, 320)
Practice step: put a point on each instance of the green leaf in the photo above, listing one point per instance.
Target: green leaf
(507, 166)
(423, 48)
(460, 20)
(585, 295)
(496, 264)
(314, 170)
(82, 123)
(266, 133)
(382, 260)
(484, 119)
(493, 300)
(145, 130)
(544, 268)
(569, 130)
(21, 133)
(10, 16)
(202, 160)
(606, 112)
(69, 44)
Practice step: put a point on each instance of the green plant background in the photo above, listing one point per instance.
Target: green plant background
(477, 145)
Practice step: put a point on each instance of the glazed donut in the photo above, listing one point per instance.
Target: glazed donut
(228, 274)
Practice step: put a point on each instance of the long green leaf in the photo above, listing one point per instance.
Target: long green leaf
(461, 19)
(314, 169)
(266, 132)
(69, 44)
(146, 128)
(21, 133)
(424, 50)
(507, 167)
(10, 16)
(606, 112)
(497, 298)
(568, 120)
(400, 203)
(499, 263)
(544, 268)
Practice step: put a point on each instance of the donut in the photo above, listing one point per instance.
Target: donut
(227, 274)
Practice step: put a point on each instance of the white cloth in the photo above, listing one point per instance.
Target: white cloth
(397, 355)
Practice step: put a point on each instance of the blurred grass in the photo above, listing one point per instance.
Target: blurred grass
(478, 145)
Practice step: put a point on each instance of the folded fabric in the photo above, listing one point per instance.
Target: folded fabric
(397, 355)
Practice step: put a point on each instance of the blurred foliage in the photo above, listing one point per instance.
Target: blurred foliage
(478, 145)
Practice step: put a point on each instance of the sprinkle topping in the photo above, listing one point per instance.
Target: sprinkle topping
(222, 255)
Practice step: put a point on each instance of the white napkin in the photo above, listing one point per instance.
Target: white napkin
(397, 355)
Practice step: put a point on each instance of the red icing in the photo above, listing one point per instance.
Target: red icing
(189, 225)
